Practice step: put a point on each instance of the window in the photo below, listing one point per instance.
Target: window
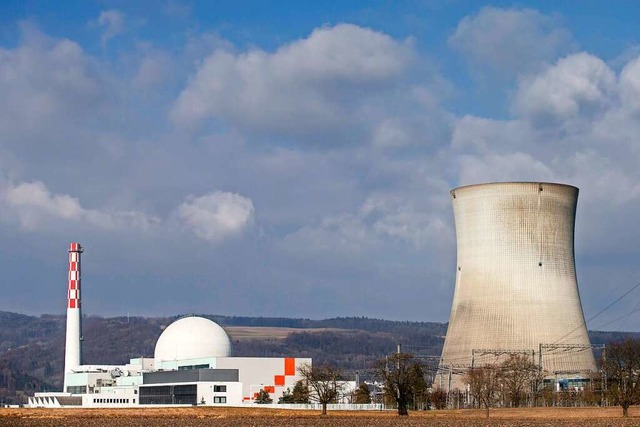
(219, 388)
(188, 367)
(220, 399)
(168, 395)
(77, 389)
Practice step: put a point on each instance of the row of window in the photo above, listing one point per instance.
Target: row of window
(220, 399)
(219, 388)
(95, 400)
(169, 395)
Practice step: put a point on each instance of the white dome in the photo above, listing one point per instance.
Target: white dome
(192, 338)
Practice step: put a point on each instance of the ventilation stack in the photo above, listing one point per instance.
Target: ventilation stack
(73, 349)
(516, 290)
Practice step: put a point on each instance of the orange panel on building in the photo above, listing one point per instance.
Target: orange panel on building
(278, 379)
(290, 366)
(269, 389)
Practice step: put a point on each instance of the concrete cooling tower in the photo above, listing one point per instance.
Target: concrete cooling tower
(516, 289)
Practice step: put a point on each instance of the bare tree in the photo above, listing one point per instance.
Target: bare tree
(326, 383)
(403, 378)
(484, 382)
(519, 376)
(438, 398)
(622, 368)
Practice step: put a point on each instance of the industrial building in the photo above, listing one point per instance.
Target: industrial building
(516, 289)
(192, 364)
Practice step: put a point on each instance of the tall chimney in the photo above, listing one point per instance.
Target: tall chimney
(73, 348)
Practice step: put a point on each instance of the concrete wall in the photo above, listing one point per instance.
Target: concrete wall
(273, 374)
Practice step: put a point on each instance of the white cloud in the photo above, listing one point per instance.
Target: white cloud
(113, 23)
(153, 69)
(43, 82)
(510, 41)
(397, 218)
(314, 84)
(382, 219)
(503, 167)
(580, 84)
(34, 206)
(217, 215)
(630, 85)
(341, 235)
(483, 135)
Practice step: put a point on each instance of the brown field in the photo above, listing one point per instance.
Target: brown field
(266, 332)
(196, 417)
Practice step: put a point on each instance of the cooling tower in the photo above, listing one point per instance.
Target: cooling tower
(516, 289)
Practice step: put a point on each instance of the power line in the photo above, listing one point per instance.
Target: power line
(600, 312)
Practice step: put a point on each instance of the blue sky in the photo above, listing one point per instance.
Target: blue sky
(295, 158)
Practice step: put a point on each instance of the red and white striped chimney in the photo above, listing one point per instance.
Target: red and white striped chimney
(73, 348)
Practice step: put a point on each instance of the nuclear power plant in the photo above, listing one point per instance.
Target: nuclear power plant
(192, 365)
(516, 290)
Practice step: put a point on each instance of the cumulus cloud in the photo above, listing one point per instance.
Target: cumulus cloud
(213, 217)
(217, 215)
(495, 167)
(355, 235)
(473, 134)
(112, 21)
(578, 84)
(395, 217)
(312, 84)
(630, 84)
(44, 82)
(153, 69)
(33, 205)
(336, 236)
(510, 41)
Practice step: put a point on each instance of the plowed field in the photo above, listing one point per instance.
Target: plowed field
(196, 417)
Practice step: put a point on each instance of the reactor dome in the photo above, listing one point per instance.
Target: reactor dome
(192, 338)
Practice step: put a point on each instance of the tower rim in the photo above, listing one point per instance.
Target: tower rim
(500, 183)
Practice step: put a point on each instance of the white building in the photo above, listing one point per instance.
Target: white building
(192, 365)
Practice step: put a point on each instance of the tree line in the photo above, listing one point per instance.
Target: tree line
(516, 381)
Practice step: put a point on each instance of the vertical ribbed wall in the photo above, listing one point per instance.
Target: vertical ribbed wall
(516, 284)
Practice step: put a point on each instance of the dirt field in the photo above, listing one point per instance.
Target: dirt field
(196, 417)
(266, 332)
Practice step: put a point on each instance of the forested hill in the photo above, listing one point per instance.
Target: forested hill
(32, 347)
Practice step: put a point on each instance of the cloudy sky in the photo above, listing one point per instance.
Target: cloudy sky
(295, 158)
